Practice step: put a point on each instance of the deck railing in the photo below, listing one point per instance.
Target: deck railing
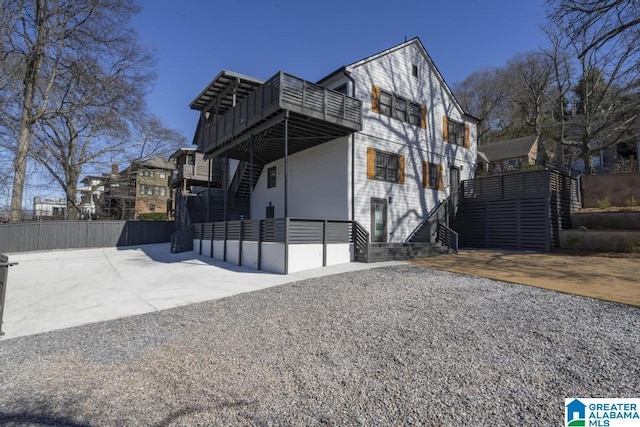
(284, 91)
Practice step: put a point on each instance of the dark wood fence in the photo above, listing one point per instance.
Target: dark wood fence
(47, 235)
(522, 211)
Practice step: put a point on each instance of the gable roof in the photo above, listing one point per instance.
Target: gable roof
(403, 45)
(510, 149)
(155, 163)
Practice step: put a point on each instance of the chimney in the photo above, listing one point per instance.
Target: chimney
(114, 169)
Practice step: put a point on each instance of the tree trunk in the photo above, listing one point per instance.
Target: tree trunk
(20, 167)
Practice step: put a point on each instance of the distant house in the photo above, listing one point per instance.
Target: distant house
(192, 171)
(54, 209)
(91, 195)
(509, 155)
(140, 189)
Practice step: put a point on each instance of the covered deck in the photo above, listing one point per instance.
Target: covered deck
(245, 119)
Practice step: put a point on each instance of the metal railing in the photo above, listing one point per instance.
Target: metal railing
(4, 273)
(448, 237)
(182, 241)
(283, 90)
(360, 238)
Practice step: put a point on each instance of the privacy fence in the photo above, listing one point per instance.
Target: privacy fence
(47, 235)
(521, 211)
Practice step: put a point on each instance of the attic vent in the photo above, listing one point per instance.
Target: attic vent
(414, 70)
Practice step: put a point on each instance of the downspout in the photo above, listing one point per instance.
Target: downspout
(353, 151)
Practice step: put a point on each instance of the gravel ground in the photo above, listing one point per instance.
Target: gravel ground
(386, 346)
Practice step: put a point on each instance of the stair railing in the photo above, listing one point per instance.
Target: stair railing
(182, 240)
(448, 237)
(360, 238)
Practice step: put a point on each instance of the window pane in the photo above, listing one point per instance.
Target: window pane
(401, 109)
(414, 114)
(385, 103)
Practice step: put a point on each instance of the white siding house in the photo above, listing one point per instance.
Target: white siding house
(381, 142)
(408, 111)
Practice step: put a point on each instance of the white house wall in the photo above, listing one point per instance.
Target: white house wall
(410, 202)
(319, 184)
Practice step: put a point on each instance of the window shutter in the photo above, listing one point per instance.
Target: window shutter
(425, 174)
(375, 99)
(401, 169)
(371, 162)
(440, 178)
(467, 136)
(445, 128)
(423, 116)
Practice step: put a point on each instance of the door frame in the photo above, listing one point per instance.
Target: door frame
(382, 238)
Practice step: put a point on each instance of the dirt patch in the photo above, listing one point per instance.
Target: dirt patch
(610, 277)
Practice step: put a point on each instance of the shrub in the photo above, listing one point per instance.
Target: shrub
(604, 203)
(153, 216)
(633, 247)
(632, 201)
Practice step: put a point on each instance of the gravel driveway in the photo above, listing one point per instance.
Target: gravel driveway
(386, 346)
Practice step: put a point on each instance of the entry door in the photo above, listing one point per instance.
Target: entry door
(378, 220)
(454, 179)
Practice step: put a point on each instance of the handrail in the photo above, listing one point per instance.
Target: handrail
(360, 238)
(182, 240)
(448, 237)
(4, 273)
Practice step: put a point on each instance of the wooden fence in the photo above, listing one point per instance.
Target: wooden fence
(48, 235)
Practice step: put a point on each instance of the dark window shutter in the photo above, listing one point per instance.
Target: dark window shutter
(425, 174)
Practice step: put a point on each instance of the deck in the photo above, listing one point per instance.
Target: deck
(283, 107)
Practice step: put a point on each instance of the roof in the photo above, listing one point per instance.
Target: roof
(222, 87)
(415, 40)
(182, 150)
(510, 149)
(156, 163)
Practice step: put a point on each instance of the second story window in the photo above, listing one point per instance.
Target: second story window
(455, 132)
(386, 103)
(390, 105)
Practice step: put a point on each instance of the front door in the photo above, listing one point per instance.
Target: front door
(454, 179)
(378, 220)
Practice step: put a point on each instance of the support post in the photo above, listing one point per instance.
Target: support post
(225, 179)
(286, 164)
(250, 177)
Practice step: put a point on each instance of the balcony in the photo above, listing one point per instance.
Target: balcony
(314, 115)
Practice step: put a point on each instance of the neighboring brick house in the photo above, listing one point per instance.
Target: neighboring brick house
(142, 188)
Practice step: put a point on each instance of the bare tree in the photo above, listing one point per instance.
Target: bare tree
(43, 41)
(484, 95)
(604, 76)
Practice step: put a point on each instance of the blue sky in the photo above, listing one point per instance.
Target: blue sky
(195, 39)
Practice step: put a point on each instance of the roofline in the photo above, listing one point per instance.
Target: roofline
(394, 48)
(226, 73)
(180, 150)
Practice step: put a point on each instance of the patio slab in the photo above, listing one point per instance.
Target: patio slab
(60, 289)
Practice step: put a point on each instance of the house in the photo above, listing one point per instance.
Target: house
(192, 171)
(381, 142)
(509, 155)
(139, 190)
(54, 209)
(91, 195)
